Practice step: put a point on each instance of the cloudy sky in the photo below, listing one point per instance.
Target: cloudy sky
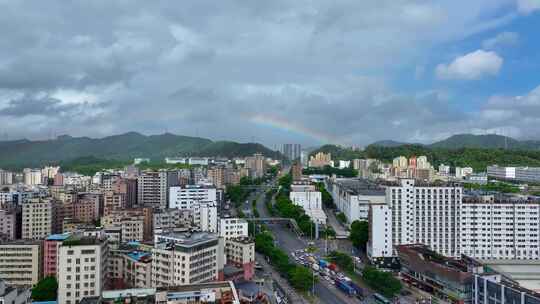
(344, 71)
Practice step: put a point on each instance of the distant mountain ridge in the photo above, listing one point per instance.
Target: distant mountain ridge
(22, 153)
(458, 141)
(389, 143)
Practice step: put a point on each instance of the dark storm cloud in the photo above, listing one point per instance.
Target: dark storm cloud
(207, 68)
(35, 106)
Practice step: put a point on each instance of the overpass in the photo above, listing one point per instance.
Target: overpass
(276, 220)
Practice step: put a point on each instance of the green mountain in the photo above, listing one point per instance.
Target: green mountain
(338, 152)
(485, 141)
(478, 158)
(458, 141)
(389, 143)
(124, 147)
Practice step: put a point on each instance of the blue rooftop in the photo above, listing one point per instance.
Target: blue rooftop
(44, 302)
(133, 243)
(137, 255)
(58, 237)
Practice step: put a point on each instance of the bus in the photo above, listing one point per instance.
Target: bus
(381, 299)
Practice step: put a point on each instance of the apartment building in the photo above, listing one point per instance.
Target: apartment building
(113, 201)
(172, 218)
(230, 228)
(8, 224)
(51, 246)
(186, 258)
(167, 179)
(216, 176)
(148, 189)
(422, 213)
(32, 177)
(21, 262)
(184, 197)
(240, 252)
(132, 226)
(6, 177)
(88, 208)
(500, 227)
(311, 201)
(441, 217)
(127, 187)
(320, 160)
(38, 218)
(129, 268)
(256, 165)
(202, 200)
(380, 232)
(82, 268)
(354, 196)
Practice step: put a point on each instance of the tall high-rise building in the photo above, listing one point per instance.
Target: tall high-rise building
(216, 176)
(6, 177)
(292, 151)
(167, 179)
(320, 160)
(148, 189)
(32, 176)
(256, 165)
(127, 187)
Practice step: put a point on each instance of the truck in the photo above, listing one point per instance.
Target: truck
(357, 289)
(315, 266)
(345, 287)
(323, 263)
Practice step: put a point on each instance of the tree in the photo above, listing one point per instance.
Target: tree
(359, 235)
(342, 260)
(384, 282)
(327, 199)
(301, 278)
(341, 218)
(45, 290)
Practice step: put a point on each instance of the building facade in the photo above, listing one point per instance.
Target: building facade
(82, 268)
(182, 259)
(21, 262)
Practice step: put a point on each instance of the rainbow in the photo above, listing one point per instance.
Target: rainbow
(282, 124)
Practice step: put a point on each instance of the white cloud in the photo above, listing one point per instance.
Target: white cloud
(471, 66)
(528, 6)
(502, 39)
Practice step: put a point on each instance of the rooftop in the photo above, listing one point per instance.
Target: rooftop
(526, 273)
(140, 256)
(499, 198)
(58, 237)
(359, 186)
(186, 239)
(422, 259)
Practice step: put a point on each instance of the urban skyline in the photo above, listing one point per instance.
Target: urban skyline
(348, 72)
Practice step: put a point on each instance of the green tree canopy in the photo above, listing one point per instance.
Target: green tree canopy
(381, 281)
(45, 290)
(359, 235)
(301, 278)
